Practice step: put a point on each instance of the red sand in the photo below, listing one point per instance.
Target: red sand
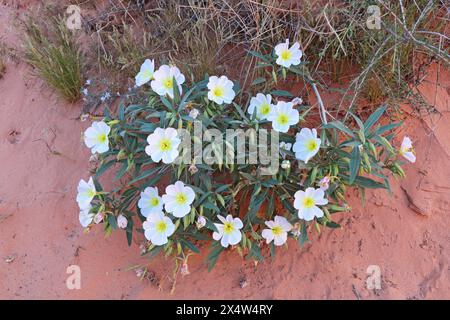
(41, 236)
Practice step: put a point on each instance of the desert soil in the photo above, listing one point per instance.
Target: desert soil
(42, 158)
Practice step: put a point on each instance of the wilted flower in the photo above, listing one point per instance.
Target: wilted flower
(228, 232)
(407, 150)
(262, 104)
(146, 72)
(278, 230)
(98, 218)
(296, 230)
(96, 137)
(306, 144)
(157, 228)
(297, 101)
(86, 192)
(220, 90)
(178, 199)
(194, 113)
(150, 202)
(288, 56)
(184, 270)
(85, 217)
(84, 117)
(283, 115)
(193, 169)
(122, 221)
(163, 80)
(201, 222)
(324, 183)
(163, 145)
(306, 203)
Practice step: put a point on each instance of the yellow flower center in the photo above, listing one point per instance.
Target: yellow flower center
(228, 228)
(161, 226)
(286, 54)
(308, 202)
(90, 193)
(168, 83)
(154, 201)
(218, 91)
(407, 149)
(283, 119)
(265, 109)
(311, 145)
(180, 198)
(277, 230)
(101, 138)
(165, 145)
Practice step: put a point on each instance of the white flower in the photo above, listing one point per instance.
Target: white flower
(88, 82)
(228, 232)
(163, 80)
(163, 145)
(283, 115)
(220, 90)
(178, 199)
(297, 101)
(122, 222)
(106, 96)
(86, 192)
(146, 72)
(85, 91)
(150, 202)
(86, 216)
(306, 203)
(98, 218)
(194, 113)
(157, 228)
(306, 144)
(288, 56)
(285, 145)
(407, 150)
(286, 164)
(324, 183)
(262, 104)
(201, 222)
(278, 230)
(96, 137)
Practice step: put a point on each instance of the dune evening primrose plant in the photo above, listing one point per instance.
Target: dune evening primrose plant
(288, 56)
(261, 105)
(150, 202)
(229, 231)
(407, 150)
(164, 80)
(86, 192)
(283, 116)
(229, 205)
(306, 144)
(277, 230)
(307, 202)
(146, 73)
(220, 90)
(158, 228)
(178, 199)
(96, 137)
(163, 145)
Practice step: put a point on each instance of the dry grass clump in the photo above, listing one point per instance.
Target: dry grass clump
(51, 49)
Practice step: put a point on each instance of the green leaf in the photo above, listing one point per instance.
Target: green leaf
(144, 175)
(105, 166)
(258, 55)
(213, 256)
(281, 93)
(258, 81)
(373, 118)
(189, 245)
(339, 126)
(355, 162)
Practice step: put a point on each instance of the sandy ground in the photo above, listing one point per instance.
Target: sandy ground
(42, 159)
